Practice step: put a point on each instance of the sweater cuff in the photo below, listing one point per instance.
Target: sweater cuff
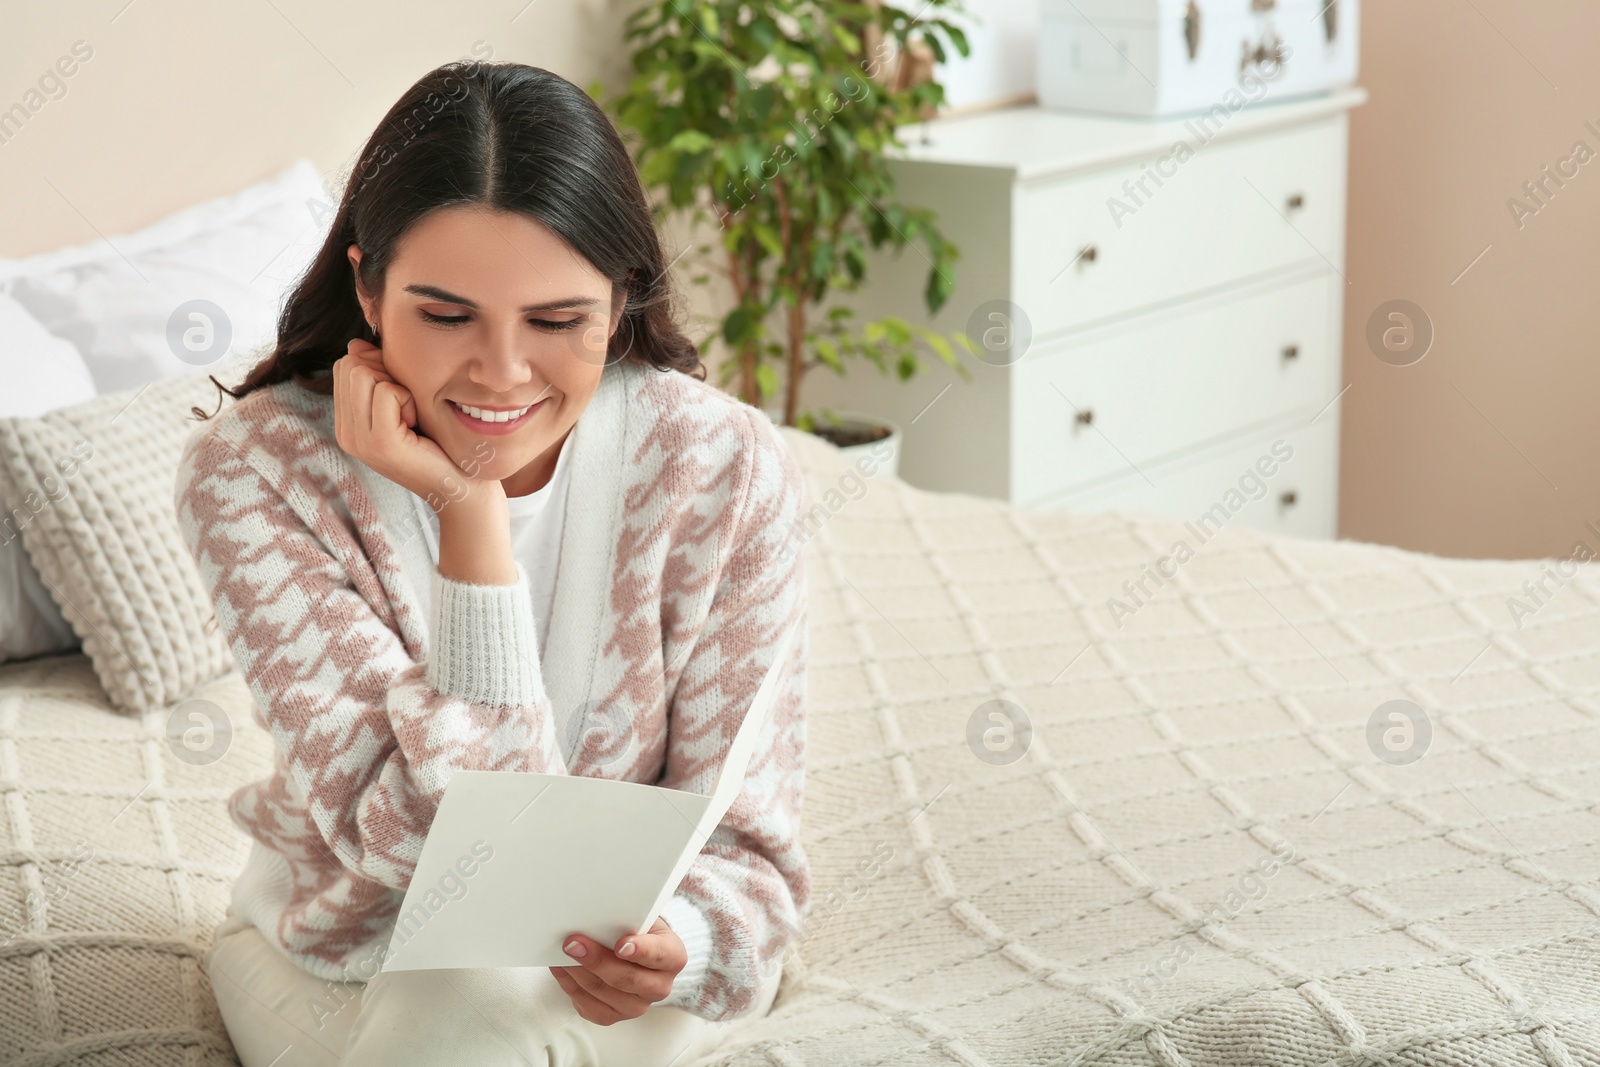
(485, 644)
(692, 927)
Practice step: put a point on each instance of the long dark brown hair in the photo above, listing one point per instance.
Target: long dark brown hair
(506, 137)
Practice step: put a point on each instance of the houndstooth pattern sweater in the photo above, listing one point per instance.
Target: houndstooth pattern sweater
(377, 677)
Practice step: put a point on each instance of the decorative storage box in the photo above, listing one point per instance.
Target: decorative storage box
(1167, 57)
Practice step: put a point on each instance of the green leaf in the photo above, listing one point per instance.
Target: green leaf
(896, 330)
(767, 380)
(828, 353)
(938, 290)
(958, 37)
(690, 141)
(738, 326)
(658, 169)
(822, 259)
(855, 261)
(907, 367)
(940, 346)
(769, 239)
(875, 354)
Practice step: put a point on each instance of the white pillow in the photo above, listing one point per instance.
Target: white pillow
(41, 373)
(128, 303)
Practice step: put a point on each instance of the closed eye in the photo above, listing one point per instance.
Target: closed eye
(450, 321)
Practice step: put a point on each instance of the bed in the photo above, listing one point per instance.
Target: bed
(1043, 831)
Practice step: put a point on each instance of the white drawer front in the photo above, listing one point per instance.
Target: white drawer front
(1163, 388)
(1285, 482)
(1233, 210)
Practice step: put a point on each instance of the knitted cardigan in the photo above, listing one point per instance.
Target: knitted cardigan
(377, 677)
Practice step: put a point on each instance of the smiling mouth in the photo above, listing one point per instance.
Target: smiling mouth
(490, 415)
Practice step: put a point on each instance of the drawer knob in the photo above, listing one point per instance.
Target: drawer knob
(1086, 417)
(1291, 352)
(1288, 498)
(1296, 201)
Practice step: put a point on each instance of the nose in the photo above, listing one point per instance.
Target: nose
(504, 366)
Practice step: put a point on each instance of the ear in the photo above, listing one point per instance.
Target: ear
(619, 305)
(368, 305)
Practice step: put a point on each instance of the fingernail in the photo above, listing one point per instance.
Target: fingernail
(626, 950)
(575, 949)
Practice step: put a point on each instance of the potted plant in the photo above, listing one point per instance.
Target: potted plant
(772, 119)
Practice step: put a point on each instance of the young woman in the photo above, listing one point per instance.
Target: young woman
(480, 510)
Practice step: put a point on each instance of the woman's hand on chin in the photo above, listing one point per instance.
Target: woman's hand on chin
(375, 420)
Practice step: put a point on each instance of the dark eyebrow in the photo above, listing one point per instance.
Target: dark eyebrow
(448, 297)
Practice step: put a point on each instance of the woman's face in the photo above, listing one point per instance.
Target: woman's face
(493, 311)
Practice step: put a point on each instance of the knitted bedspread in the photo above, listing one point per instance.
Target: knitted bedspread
(1074, 795)
(1207, 845)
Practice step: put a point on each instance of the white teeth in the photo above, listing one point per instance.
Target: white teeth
(492, 416)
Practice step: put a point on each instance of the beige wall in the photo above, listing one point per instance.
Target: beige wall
(184, 99)
(1458, 120)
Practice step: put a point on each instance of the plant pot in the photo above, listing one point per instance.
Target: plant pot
(868, 432)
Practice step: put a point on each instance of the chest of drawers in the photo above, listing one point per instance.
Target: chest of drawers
(1159, 304)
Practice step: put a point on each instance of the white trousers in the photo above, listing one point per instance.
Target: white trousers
(281, 1016)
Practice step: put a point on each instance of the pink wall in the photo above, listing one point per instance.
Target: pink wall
(1490, 445)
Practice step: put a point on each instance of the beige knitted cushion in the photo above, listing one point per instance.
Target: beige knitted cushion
(91, 489)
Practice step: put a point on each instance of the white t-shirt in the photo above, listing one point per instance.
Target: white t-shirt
(536, 521)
